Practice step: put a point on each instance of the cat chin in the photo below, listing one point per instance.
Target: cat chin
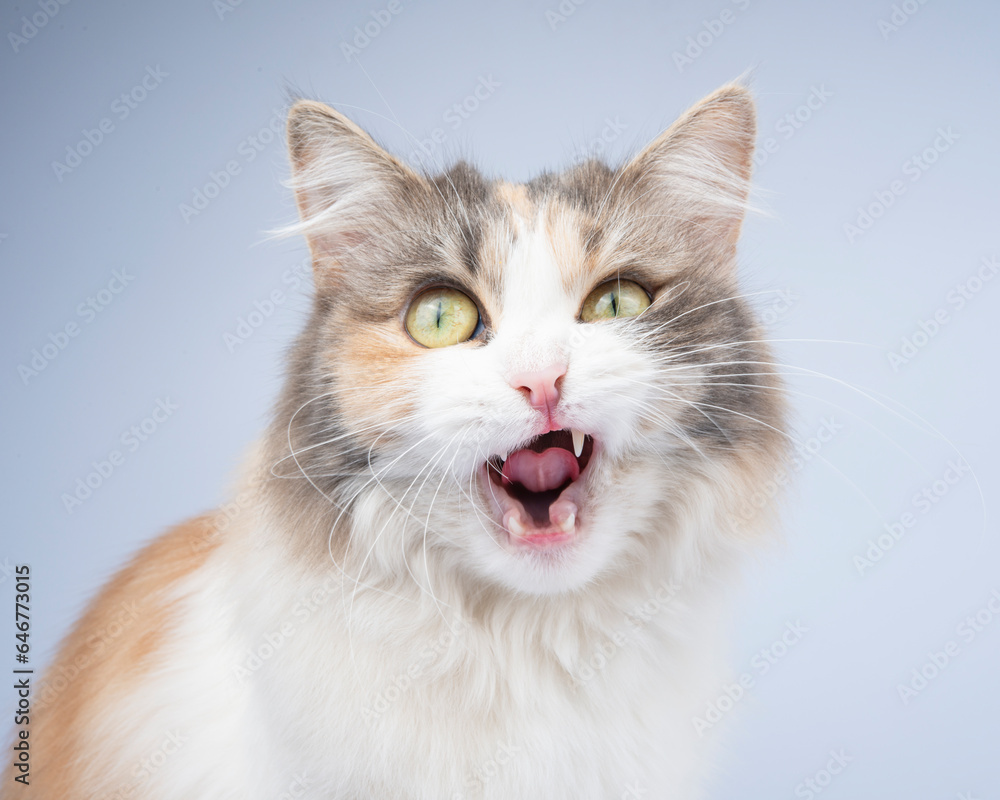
(542, 573)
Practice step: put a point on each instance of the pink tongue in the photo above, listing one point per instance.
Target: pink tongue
(541, 472)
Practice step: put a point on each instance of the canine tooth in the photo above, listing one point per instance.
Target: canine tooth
(514, 524)
(566, 525)
(578, 437)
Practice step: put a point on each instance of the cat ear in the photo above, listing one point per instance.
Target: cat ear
(348, 189)
(697, 172)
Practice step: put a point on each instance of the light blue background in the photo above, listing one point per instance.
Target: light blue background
(560, 83)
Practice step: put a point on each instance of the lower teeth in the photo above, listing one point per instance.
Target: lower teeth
(514, 525)
(567, 524)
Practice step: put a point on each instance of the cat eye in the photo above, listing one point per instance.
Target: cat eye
(440, 316)
(614, 299)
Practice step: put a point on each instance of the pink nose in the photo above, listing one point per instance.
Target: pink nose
(541, 387)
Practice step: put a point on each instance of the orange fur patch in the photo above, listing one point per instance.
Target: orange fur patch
(515, 195)
(371, 366)
(112, 648)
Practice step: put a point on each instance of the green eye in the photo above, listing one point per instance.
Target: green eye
(614, 299)
(440, 317)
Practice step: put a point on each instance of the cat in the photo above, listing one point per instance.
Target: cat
(484, 548)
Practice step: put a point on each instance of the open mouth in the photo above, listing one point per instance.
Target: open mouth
(536, 488)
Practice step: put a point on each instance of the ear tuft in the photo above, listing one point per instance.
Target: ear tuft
(698, 170)
(345, 184)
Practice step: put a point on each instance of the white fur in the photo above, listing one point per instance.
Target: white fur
(318, 701)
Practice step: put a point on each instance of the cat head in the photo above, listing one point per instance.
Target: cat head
(538, 385)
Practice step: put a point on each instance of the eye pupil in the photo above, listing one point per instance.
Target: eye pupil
(614, 299)
(442, 316)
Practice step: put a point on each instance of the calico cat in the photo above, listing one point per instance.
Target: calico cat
(483, 549)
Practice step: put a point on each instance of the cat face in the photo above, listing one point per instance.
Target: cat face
(533, 384)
